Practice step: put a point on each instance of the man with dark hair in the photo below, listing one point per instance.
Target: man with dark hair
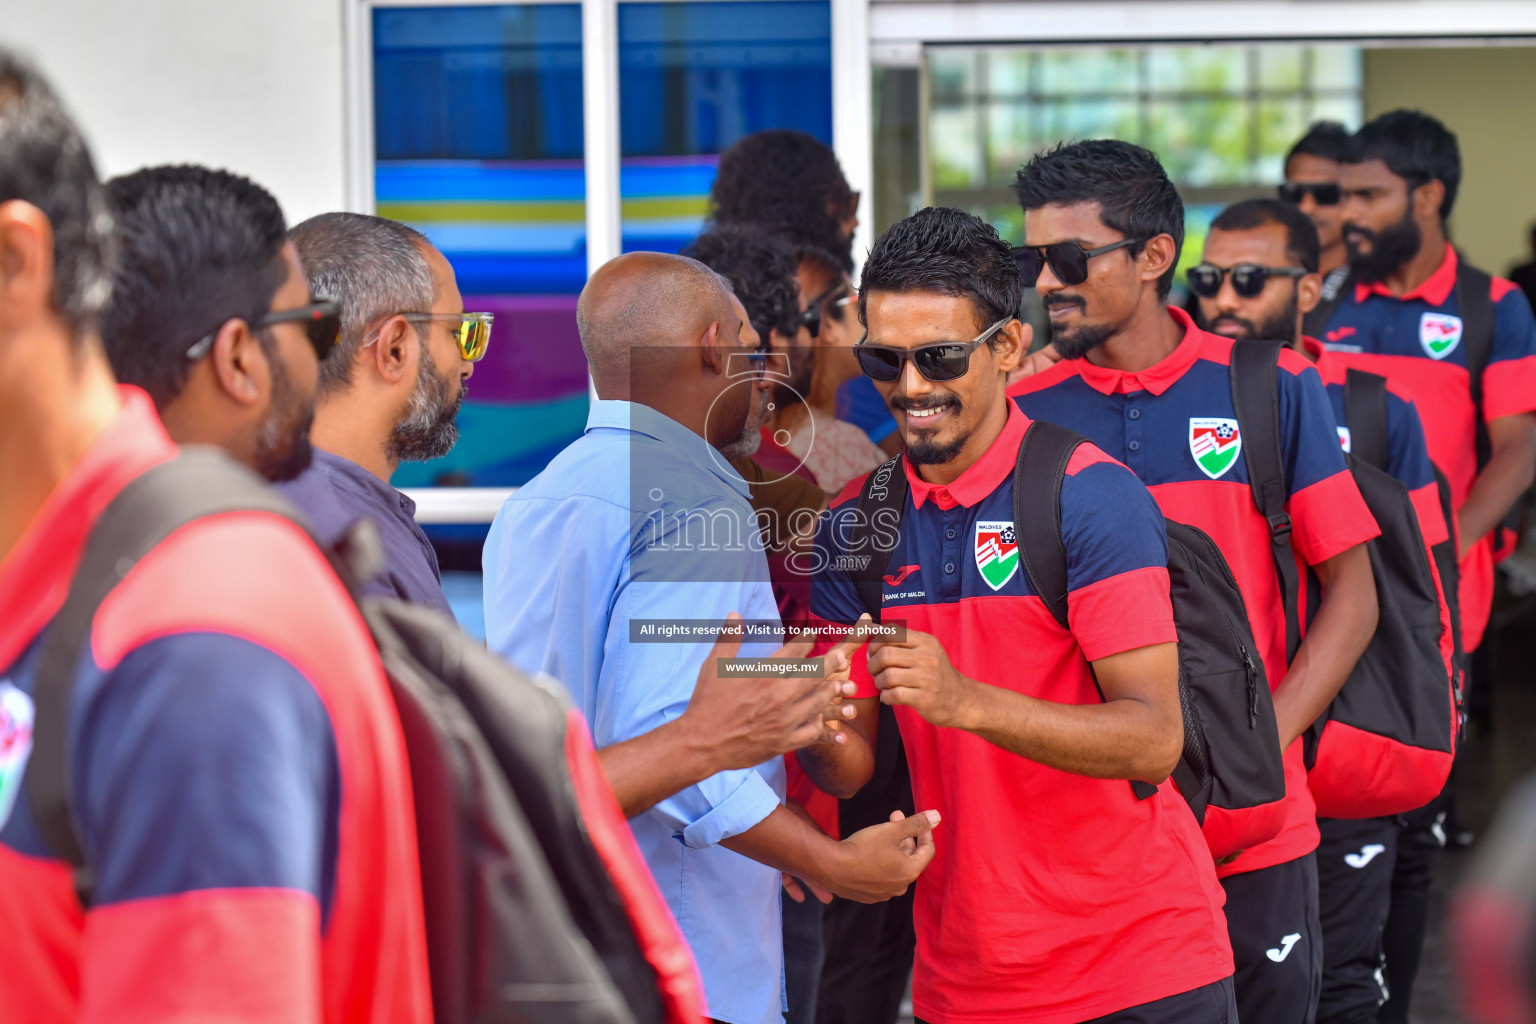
(652, 525)
(1102, 224)
(1249, 288)
(1059, 897)
(210, 314)
(391, 390)
(1312, 183)
(789, 184)
(1462, 345)
(233, 767)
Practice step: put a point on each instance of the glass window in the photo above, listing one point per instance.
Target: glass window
(1221, 118)
(696, 76)
(478, 144)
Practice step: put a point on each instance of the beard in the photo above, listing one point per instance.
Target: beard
(282, 445)
(429, 429)
(1390, 248)
(750, 438)
(1279, 327)
(923, 451)
(1076, 342)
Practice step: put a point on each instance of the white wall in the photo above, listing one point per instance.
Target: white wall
(252, 87)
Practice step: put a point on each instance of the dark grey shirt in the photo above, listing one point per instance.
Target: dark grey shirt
(335, 493)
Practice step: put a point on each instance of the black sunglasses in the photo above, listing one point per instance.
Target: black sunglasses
(940, 361)
(1248, 279)
(1067, 260)
(811, 315)
(1323, 193)
(322, 322)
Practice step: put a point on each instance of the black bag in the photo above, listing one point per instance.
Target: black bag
(1230, 772)
(525, 917)
(1384, 746)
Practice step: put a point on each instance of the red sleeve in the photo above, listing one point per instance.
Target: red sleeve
(211, 954)
(860, 668)
(1509, 388)
(1329, 517)
(1426, 503)
(1123, 613)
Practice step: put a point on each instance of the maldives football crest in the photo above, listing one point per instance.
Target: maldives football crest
(1215, 444)
(1439, 333)
(997, 553)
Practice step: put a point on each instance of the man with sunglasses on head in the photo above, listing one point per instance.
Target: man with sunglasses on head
(1059, 896)
(391, 390)
(1462, 345)
(232, 764)
(1103, 227)
(1258, 278)
(1312, 183)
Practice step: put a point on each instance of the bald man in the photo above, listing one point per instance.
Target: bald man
(598, 570)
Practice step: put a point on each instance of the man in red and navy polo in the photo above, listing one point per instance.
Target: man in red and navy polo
(1055, 896)
(235, 763)
(1406, 318)
(1249, 289)
(1103, 225)
(1403, 320)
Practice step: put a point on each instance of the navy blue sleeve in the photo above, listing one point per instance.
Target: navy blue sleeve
(204, 761)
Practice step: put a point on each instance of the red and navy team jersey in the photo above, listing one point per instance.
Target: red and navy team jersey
(1175, 426)
(1052, 897)
(1408, 458)
(1415, 342)
(237, 773)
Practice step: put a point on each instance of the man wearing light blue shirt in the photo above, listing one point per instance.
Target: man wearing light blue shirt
(642, 521)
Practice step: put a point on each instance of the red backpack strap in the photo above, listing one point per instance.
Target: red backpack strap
(665, 949)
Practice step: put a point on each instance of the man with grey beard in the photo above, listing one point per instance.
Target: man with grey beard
(391, 390)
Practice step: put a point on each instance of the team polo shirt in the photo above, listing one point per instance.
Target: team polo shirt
(1175, 426)
(1052, 897)
(1415, 342)
(1407, 453)
(237, 774)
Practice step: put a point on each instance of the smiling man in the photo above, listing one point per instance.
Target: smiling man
(1103, 228)
(1058, 896)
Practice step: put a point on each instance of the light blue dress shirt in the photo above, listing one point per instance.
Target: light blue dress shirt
(640, 518)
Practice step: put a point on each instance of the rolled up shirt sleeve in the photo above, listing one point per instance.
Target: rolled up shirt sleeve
(646, 685)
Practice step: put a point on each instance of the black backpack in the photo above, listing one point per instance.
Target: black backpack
(1231, 771)
(529, 918)
(1385, 744)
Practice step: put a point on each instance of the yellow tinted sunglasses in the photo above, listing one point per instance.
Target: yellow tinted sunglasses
(473, 333)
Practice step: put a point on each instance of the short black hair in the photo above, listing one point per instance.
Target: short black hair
(44, 161)
(949, 252)
(1134, 194)
(1326, 140)
(761, 270)
(199, 247)
(1415, 147)
(788, 182)
(1301, 243)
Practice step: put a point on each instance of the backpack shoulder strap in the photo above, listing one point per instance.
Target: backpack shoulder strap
(196, 484)
(1255, 395)
(1043, 458)
(1474, 300)
(1365, 414)
(1315, 322)
(882, 502)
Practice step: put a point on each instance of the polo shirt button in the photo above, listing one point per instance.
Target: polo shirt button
(1134, 446)
(949, 567)
(942, 496)
(949, 534)
(1134, 414)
